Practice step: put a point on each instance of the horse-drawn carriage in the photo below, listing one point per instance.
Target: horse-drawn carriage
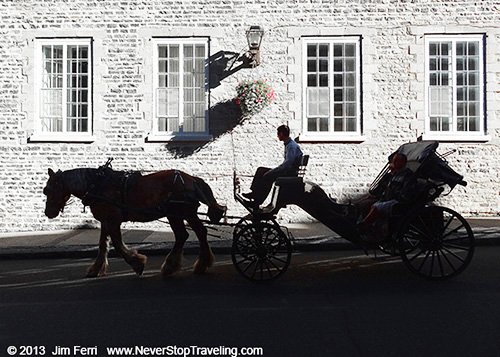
(433, 241)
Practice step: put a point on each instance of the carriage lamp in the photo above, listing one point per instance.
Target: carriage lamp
(254, 39)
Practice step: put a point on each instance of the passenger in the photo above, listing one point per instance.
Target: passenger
(400, 189)
(264, 176)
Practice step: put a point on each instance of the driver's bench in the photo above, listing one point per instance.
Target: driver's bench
(293, 183)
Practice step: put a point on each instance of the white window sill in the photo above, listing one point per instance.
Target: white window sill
(331, 138)
(469, 137)
(159, 138)
(62, 138)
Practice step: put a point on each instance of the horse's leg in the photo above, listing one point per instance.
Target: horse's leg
(135, 260)
(100, 266)
(173, 261)
(206, 258)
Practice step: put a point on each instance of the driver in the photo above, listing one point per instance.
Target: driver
(264, 176)
(400, 189)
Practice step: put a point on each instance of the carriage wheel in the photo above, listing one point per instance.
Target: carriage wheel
(261, 251)
(243, 222)
(437, 243)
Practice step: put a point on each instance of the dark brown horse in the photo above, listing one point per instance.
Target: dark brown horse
(115, 197)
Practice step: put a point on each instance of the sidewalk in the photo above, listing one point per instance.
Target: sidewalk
(83, 242)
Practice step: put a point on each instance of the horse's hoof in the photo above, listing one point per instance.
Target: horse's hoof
(199, 268)
(95, 271)
(139, 263)
(201, 265)
(167, 270)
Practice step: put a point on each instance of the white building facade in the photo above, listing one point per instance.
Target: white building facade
(146, 82)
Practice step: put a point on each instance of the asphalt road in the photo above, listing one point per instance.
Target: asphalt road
(327, 304)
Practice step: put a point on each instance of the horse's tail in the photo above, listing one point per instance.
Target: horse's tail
(206, 196)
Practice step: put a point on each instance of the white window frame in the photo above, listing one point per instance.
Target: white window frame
(156, 134)
(454, 134)
(63, 136)
(332, 136)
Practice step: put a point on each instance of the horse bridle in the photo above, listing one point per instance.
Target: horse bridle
(60, 186)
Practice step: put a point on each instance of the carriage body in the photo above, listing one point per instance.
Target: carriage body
(433, 241)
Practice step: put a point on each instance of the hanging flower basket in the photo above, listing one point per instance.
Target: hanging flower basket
(253, 96)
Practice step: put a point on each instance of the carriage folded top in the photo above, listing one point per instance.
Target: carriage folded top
(426, 163)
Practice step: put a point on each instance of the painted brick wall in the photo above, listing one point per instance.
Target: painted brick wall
(393, 96)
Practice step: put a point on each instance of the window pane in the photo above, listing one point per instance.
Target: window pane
(323, 124)
(338, 95)
(432, 64)
(311, 65)
(473, 79)
(338, 80)
(323, 65)
(168, 102)
(473, 48)
(350, 50)
(200, 51)
(473, 64)
(338, 124)
(162, 66)
(323, 50)
(338, 110)
(162, 51)
(350, 94)
(311, 50)
(474, 124)
(173, 51)
(350, 80)
(312, 80)
(351, 124)
(323, 80)
(312, 124)
(433, 48)
(473, 93)
(338, 66)
(338, 50)
(350, 65)
(350, 109)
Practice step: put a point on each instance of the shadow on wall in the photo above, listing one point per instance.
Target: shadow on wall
(224, 117)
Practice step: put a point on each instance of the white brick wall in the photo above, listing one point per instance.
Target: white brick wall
(392, 44)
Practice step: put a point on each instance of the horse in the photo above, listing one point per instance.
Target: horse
(115, 197)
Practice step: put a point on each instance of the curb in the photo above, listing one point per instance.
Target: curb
(191, 248)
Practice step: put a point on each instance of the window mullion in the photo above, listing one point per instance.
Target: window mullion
(331, 120)
(64, 95)
(481, 85)
(181, 87)
(453, 83)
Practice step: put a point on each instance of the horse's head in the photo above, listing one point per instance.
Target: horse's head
(57, 194)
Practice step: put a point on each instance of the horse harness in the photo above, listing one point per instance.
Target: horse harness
(106, 178)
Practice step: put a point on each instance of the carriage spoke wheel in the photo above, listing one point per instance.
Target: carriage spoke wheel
(437, 244)
(261, 251)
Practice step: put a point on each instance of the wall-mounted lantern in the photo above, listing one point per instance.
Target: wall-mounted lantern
(225, 63)
(254, 39)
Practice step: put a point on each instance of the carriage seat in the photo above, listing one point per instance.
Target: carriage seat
(290, 184)
(280, 181)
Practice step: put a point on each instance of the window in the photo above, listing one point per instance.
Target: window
(63, 89)
(331, 77)
(454, 83)
(180, 88)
